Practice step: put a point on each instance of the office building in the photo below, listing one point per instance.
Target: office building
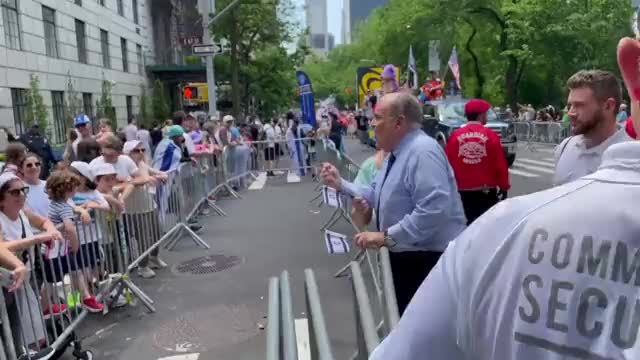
(79, 41)
(320, 40)
(354, 12)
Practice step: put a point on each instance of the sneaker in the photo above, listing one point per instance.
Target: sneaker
(211, 198)
(192, 221)
(29, 354)
(195, 228)
(270, 173)
(54, 310)
(145, 272)
(92, 305)
(120, 301)
(156, 263)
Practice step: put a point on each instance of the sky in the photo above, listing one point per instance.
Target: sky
(334, 15)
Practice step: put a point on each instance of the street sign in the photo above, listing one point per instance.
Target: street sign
(205, 50)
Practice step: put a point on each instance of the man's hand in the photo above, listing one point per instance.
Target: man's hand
(360, 205)
(330, 176)
(53, 235)
(85, 217)
(369, 240)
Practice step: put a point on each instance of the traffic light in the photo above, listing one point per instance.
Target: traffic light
(190, 93)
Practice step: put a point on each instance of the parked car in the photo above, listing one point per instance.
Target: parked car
(442, 118)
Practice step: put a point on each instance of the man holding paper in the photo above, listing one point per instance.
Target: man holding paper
(418, 208)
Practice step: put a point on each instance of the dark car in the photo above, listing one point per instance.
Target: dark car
(442, 118)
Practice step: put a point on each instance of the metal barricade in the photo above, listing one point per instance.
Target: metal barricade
(536, 132)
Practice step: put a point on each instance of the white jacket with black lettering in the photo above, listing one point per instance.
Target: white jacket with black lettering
(551, 275)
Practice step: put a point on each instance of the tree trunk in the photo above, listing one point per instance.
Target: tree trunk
(476, 63)
(235, 83)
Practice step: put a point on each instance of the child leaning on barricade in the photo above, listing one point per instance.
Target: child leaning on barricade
(61, 186)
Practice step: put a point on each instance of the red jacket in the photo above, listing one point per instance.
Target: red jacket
(628, 126)
(477, 158)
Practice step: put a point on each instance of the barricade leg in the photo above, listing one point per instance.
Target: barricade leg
(318, 337)
(289, 344)
(366, 334)
(273, 327)
(196, 239)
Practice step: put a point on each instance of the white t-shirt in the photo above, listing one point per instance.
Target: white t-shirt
(188, 143)
(130, 132)
(270, 134)
(38, 200)
(88, 232)
(125, 167)
(548, 276)
(574, 160)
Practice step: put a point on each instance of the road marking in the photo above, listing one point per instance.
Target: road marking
(259, 181)
(182, 357)
(302, 339)
(522, 173)
(534, 168)
(292, 178)
(546, 163)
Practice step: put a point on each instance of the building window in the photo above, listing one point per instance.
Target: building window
(87, 101)
(11, 25)
(125, 60)
(59, 123)
(50, 38)
(140, 64)
(120, 7)
(81, 42)
(101, 2)
(19, 100)
(129, 107)
(104, 43)
(78, 2)
(134, 4)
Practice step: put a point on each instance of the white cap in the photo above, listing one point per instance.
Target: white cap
(7, 177)
(129, 146)
(84, 169)
(227, 118)
(103, 169)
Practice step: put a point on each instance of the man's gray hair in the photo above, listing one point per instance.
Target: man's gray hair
(407, 105)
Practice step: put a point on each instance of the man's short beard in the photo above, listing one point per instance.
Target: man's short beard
(594, 122)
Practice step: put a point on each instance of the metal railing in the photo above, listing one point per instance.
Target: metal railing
(540, 133)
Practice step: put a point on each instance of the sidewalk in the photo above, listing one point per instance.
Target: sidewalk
(219, 315)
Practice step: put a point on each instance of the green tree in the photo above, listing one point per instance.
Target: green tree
(105, 105)
(146, 115)
(72, 102)
(159, 103)
(35, 112)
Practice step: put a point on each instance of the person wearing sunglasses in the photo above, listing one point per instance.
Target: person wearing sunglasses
(37, 198)
(141, 212)
(15, 154)
(82, 124)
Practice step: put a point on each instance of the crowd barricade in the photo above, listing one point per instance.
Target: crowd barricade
(111, 245)
(374, 299)
(291, 156)
(281, 329)
(538, 132)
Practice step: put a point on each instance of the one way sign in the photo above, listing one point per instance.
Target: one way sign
(210, 49)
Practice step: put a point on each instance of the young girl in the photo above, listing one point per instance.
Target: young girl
(141, 216)
(61, 186)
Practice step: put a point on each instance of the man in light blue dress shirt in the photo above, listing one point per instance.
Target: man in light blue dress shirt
(418, 208)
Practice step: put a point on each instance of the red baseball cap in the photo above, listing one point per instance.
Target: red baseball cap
(476, 106)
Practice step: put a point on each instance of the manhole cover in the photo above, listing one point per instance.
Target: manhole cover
(207, 264)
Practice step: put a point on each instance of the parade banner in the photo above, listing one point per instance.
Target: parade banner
(368, 78)
(307, 105)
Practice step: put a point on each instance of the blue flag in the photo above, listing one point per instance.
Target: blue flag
(307, 104)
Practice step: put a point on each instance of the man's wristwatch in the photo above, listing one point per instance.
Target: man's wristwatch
(388, 240)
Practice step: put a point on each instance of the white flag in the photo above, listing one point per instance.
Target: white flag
(413, 81)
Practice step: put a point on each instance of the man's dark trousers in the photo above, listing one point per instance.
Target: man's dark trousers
(410, 268)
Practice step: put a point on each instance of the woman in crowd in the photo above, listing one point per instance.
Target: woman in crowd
(237, 153)
(296, 148)
(37, 198)
(69, 155)
(141, 212)
(17, 233)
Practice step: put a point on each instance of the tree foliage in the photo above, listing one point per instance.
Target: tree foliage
(509, 50)
(72, 102)
(35, 112)
(145, 116)
(257, 64)
(104, 105)
(159, 102)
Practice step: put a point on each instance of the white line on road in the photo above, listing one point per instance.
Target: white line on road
(545, 163)
(302, 339)
(522, 173)
(293, 178)
(534, 168)
(182, 357)
(259, 182)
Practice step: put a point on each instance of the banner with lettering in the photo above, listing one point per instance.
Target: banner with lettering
(307, 104)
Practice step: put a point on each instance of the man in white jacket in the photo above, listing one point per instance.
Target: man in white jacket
(551, 275)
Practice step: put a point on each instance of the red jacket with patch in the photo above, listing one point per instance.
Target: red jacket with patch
(476, 156)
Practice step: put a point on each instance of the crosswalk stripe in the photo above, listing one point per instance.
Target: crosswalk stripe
(259, 182)
(182, 357)
(534, 168)
(546, 163)
(522, 173)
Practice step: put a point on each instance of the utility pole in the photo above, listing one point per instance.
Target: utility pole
(209, 7)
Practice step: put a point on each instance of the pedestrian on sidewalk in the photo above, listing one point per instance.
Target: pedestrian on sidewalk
(478, 161)
(417, 205)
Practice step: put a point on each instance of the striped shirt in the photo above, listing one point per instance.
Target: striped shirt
(59, 211)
